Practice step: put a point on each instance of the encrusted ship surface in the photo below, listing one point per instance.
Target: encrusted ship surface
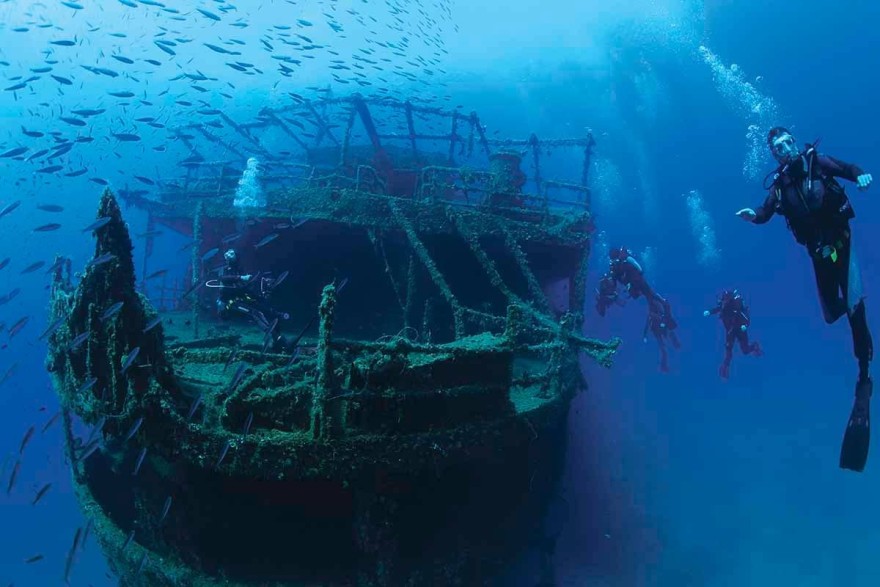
(416, 433)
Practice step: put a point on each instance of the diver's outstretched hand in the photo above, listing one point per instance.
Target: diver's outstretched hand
(864, 181)
(747, 214)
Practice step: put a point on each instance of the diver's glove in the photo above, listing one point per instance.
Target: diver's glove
(705, 313)
(748, 214)
(743, 327)
(864, 181)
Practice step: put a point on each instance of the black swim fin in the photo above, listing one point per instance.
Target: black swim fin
(857, 438)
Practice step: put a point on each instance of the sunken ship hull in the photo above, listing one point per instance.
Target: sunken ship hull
(412, 438)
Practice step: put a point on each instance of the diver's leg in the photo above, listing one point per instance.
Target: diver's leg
(849, 278)
(664, 356)
(743, 339)
(828, 283)
(748, 348)
(676, 344)
(863, 344)
(724, 371)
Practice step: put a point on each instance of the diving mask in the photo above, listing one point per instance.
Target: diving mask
(784, 148)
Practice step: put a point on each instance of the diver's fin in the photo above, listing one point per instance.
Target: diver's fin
(857, 438)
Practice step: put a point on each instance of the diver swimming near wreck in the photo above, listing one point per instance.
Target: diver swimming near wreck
(624, 270)
(818, 212)
(237, 298)
(662, 325)
(735, 317)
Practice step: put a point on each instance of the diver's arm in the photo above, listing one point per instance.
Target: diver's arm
(714, 310)
(837, 168)
(762, 213)
(233, 279)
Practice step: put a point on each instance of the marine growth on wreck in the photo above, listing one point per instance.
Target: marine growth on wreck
(409, 430)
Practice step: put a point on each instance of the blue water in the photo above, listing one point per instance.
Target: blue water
(672, 479)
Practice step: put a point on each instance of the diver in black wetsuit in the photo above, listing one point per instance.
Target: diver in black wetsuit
(804, 191)
(662, 325)
(236, 298)
(607, 294)
(624, 269)
(735, 317)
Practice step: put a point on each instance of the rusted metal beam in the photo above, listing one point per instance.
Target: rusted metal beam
(323, 127)
(291, 134)
(367, 120)
(219, 141)
(411, 127)
(475, 121)
(588, 155)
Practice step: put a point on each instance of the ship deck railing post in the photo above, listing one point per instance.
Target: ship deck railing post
(514, 323)
(346, 138)
(540, 189)
(411, 128)
(476, 126)
(588, 156)
(328, 414)
(410, 290)
(220, 181)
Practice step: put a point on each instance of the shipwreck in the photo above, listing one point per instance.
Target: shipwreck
(414, 434)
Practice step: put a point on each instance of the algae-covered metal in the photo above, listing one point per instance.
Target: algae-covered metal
(413, 436)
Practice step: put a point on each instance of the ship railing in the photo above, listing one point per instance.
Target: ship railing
(481, 188)
(459, 186)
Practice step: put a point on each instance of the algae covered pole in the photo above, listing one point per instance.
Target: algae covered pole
(327, 414)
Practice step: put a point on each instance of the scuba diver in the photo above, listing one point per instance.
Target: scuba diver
(735, 317)
(624, 269)
(662, 325)
(236, 298)
(607, 294)
(817, 210)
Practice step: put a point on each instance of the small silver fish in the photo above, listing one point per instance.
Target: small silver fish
(111, 311)
(76, 342)
(105, 258)
(99, 223)
(280, 279)
(134, 428)
(128, 540)
(165, 509)
(52, 328)
(266, 240)
(140, 461)
(153, 323)
(129, 359)
(223, 454)
(210, 254)
(89, 383)
(195, 406)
